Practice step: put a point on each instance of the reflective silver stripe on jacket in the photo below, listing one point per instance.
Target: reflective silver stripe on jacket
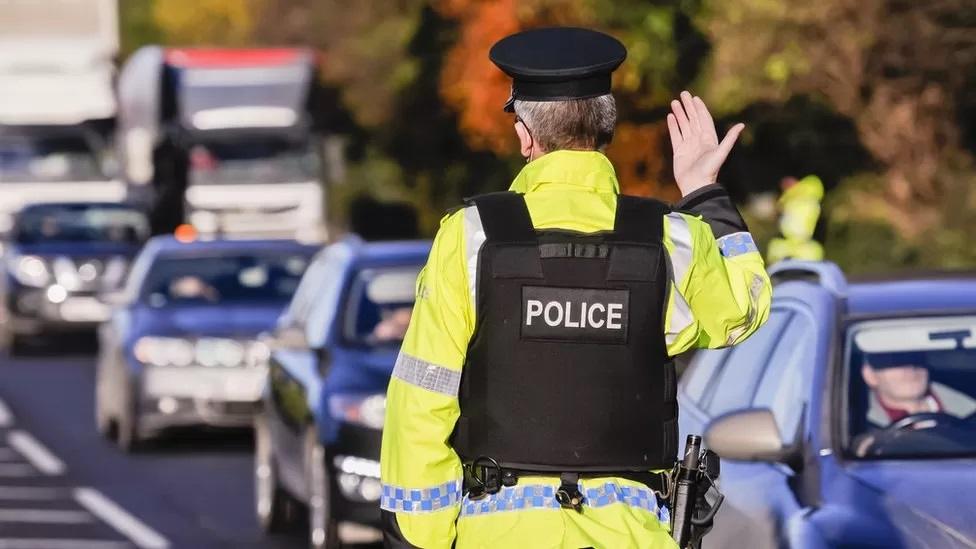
(680, 259)
(474, 238)
(427, 375)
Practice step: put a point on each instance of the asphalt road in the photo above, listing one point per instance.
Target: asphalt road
(64, 487)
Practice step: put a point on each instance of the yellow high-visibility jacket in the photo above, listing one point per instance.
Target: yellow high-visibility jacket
(719, 295)
(800, 207)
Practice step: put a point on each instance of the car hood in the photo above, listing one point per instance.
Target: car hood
(929, 501)
(224, 320)
(77, 249)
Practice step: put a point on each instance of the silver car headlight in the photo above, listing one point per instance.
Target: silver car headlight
(366, 410)
(29, 270)
(211, 351)
(163, 351)
(258, 354)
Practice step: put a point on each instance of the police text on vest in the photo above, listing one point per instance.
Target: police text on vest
(575, 314)
(556, 313)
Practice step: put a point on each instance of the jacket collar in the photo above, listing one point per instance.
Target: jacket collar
(582, 170)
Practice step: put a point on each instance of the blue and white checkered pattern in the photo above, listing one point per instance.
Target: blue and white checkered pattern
(737, 244)
(535, 496)
(425, 500)
(513, 498)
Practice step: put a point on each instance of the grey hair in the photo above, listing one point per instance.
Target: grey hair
(580, 124)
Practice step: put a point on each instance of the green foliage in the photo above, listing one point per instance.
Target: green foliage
(872, 95)
(664, 49)
(137, 27)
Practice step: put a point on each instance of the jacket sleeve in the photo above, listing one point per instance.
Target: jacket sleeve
(720, 292)
(421, 473)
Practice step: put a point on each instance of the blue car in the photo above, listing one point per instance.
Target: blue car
(182, 347)
(317, 437)
(848, 419)
(59, 258)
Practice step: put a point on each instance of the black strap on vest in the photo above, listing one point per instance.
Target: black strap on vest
(638, 219)
(504, 216)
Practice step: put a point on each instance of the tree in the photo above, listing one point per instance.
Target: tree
(205, 22)
(892, 66)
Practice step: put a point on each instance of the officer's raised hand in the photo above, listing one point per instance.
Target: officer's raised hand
(698, 155)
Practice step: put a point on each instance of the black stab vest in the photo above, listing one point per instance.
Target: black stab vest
(567, 370)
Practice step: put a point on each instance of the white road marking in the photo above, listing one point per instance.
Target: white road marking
(120, 519)
(6, 418)
(16, 470)
(30, 493)
(45, 516)
(350, 532)
(37, 543)
(36, 453)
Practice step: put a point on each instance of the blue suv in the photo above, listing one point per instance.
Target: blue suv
(317, 437)
(848, 419)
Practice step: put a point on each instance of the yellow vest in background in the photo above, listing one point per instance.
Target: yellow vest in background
(800, 207)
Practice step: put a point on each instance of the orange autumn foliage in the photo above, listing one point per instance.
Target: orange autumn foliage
(476, 89)
(639, 155)
(470, 83)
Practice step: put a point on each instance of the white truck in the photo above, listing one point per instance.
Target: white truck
(57, 102)
(223, 139)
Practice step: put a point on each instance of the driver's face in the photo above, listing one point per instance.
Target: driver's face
(908, 382)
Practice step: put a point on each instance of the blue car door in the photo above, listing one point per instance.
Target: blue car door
(729, 382)
(295, 380)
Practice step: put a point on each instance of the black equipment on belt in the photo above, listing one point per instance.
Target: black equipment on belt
(691, 513)
(485, 477)
(568, 367)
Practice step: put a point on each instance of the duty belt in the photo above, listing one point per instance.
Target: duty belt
(485, 477)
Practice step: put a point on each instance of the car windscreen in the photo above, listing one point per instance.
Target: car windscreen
(379, 305)
(912, 387)
(80, 223)
(253, 161)
(259, 277)
(46, 159)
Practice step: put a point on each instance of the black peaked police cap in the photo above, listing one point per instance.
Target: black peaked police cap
(557, 63)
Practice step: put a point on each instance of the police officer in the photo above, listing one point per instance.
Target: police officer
(533, 402)
(799, 207)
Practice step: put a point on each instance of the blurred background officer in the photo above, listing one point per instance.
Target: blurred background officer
(799, 207)
(561, 306)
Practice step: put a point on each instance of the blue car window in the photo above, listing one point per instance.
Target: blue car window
(380, 305)
(308, 289)
(782, 388)
(322, 309)
(80, 223)
(734, 385)
(222, 278)
(702, 370)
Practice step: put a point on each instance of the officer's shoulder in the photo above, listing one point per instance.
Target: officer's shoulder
(687, 215)
(470, 202)
(689, 221)
(453, 218)
(454, 212)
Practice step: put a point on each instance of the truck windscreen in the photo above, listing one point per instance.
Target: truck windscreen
(47, 159)
(253, 162)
